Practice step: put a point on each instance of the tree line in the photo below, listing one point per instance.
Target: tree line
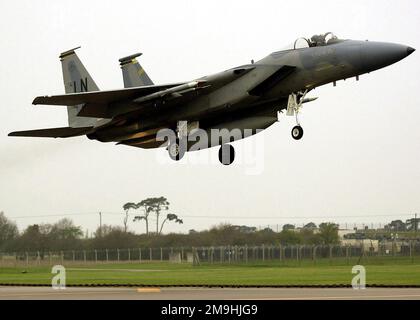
(65, 235)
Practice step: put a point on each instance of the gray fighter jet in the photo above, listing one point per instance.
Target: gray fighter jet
(235, 103)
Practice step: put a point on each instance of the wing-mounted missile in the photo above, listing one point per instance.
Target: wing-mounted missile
(174, 91)
(306, 100)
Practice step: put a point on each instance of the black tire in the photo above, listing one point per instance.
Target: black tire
(226, 154)
(176, 150)
(297, 132)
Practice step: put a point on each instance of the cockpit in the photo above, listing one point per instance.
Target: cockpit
(316, 41)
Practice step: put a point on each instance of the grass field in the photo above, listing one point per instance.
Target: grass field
(396, 271)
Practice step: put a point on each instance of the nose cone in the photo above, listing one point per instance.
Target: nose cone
(376, 55)
(410, 50)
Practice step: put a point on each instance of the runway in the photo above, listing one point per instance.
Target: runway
(44, 293)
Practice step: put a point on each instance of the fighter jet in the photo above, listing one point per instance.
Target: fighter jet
(234, 103)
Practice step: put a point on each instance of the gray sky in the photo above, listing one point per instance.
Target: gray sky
(359, 156)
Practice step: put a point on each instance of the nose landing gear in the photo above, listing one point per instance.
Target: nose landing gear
(293, 108)
(297, 132)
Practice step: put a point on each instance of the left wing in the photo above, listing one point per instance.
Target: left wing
(101, 97)
(108, 104)
(65, 132)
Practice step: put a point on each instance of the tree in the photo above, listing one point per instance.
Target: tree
(35, 238)
(412, 224)
(127, 207)
(147, 206)
(65, 229)
(288, 227)
(396, 225)
(310, 226)
(64, 235)
(328, 232)
(8, 230)
(113, 237)
(158, 205)
(152, 205)
(289, 237)
(170, 217)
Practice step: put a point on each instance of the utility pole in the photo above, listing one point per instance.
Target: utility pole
(100, 224)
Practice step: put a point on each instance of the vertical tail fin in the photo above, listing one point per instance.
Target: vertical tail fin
(76, 79)
(133, 74)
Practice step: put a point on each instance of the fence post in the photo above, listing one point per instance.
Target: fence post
(118, 254)
(297, 252)
(246, 253)
(107, 255)
(263, 252)
(140, 255)
(96, 256)
(161, 254)
(38, 257)
(182, 253)
(150, 254)
(129, 255)
(74, 256)
(347, 255)
(50, 256)
(393, 248)
(330, 253)
(411, 254)
(280, 253)
(27, 259)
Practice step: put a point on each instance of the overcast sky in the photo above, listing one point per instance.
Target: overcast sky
(359, 160)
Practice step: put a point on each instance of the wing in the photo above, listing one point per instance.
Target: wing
(108, 104)
(65, 132)
(100, 97)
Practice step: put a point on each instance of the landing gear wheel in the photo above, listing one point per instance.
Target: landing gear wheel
(176, 150)
(226, 154)
(297, 132)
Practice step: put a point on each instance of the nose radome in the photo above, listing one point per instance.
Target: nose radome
(377, 55)
(410, 50)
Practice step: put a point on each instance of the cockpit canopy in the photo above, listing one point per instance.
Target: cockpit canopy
(316, 41)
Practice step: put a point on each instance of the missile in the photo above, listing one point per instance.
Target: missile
(306, 100)
(190, 86)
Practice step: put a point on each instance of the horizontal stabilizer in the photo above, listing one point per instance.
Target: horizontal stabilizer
(65, 132)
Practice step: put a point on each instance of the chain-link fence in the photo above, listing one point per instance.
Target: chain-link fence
(219, 254)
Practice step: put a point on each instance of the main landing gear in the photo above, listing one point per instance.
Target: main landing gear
(293, 108)
(226, 154)
(177, 146)
(176, 149)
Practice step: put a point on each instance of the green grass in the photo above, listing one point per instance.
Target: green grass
(385, 271)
